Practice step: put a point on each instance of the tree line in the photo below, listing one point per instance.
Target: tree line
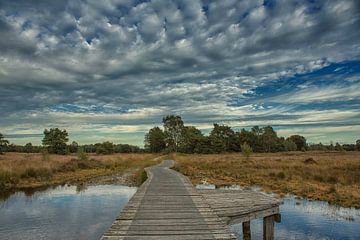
(177, 137)
(56, 141)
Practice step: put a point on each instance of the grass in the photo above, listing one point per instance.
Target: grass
(328, 176)
(24, 171)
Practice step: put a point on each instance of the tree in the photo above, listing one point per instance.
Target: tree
(246, 150)
(73, 148)
(270, 140)
(358, 144)
(28, 148)
(55, 140)
(3, 143)
(289, 145)
(222, 138)
(300, 142)
(191, 137)
(155, 140)
(105, 148)
(173, 129)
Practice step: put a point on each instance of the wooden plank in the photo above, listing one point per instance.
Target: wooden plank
(167, 206)
(268, 228)
(246, 230)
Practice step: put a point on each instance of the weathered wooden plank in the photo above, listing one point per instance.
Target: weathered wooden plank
(268, 228)
(167, 206)
(246, 230)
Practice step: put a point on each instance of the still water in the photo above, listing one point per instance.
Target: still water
(63, 212)
(85, 213)
(304, 219)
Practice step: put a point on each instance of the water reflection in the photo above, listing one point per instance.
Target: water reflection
(66, 212)
(304, 219)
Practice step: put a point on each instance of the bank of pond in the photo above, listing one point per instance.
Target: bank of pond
(85, 212)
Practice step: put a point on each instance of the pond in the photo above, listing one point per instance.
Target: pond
(64, 212)
(305, 219)
(70, 212)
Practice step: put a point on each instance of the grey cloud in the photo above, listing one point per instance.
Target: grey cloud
(175, 56)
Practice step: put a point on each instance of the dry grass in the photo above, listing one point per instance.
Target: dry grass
(21, 170)
(329, 176)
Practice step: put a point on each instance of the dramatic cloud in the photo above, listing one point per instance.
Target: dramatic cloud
(111, 69)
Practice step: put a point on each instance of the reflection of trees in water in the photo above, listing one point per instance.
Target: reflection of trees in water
(324, 208)
(81, 187)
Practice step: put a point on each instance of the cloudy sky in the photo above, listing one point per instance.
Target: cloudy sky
(111, 69)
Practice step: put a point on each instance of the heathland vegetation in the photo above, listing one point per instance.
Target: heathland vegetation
(320, 175)
(256, 156)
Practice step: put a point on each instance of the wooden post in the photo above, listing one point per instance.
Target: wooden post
(246, 230)
(268, 227)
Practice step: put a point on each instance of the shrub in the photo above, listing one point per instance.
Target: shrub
(81, 155)
(246, 150)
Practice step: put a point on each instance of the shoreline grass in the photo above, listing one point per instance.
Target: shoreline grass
(21, 171)
(328, 176)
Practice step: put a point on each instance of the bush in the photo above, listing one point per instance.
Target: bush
(246, 150)
(81, 155)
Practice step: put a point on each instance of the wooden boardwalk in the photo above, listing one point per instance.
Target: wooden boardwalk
(167, 206)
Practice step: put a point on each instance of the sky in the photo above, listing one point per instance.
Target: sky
(111, 69)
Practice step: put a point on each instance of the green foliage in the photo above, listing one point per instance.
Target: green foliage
(173, 129)
(81, 155)
(3, 143)
(105, 148)
(55, 140)
(73, 147)
(289, 145)
(191, 138)
(155, 140)
(28, 148)
(246, 150)
(300, 142)
(222, 138)
(358, 144)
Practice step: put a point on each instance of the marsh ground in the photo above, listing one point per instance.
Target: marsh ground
(329, 176)
(21, 171)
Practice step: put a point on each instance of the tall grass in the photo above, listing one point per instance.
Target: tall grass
(18, 170)
(282, 173)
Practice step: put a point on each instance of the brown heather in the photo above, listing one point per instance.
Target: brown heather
(329, 176)
(23, 170)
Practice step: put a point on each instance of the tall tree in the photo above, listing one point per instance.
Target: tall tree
(3, 143)
(358, 144)
(300, 142)
(222, 137)
(55, 140)
(173, 129)
(155, 140)
(270, 140)
(191, 138)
